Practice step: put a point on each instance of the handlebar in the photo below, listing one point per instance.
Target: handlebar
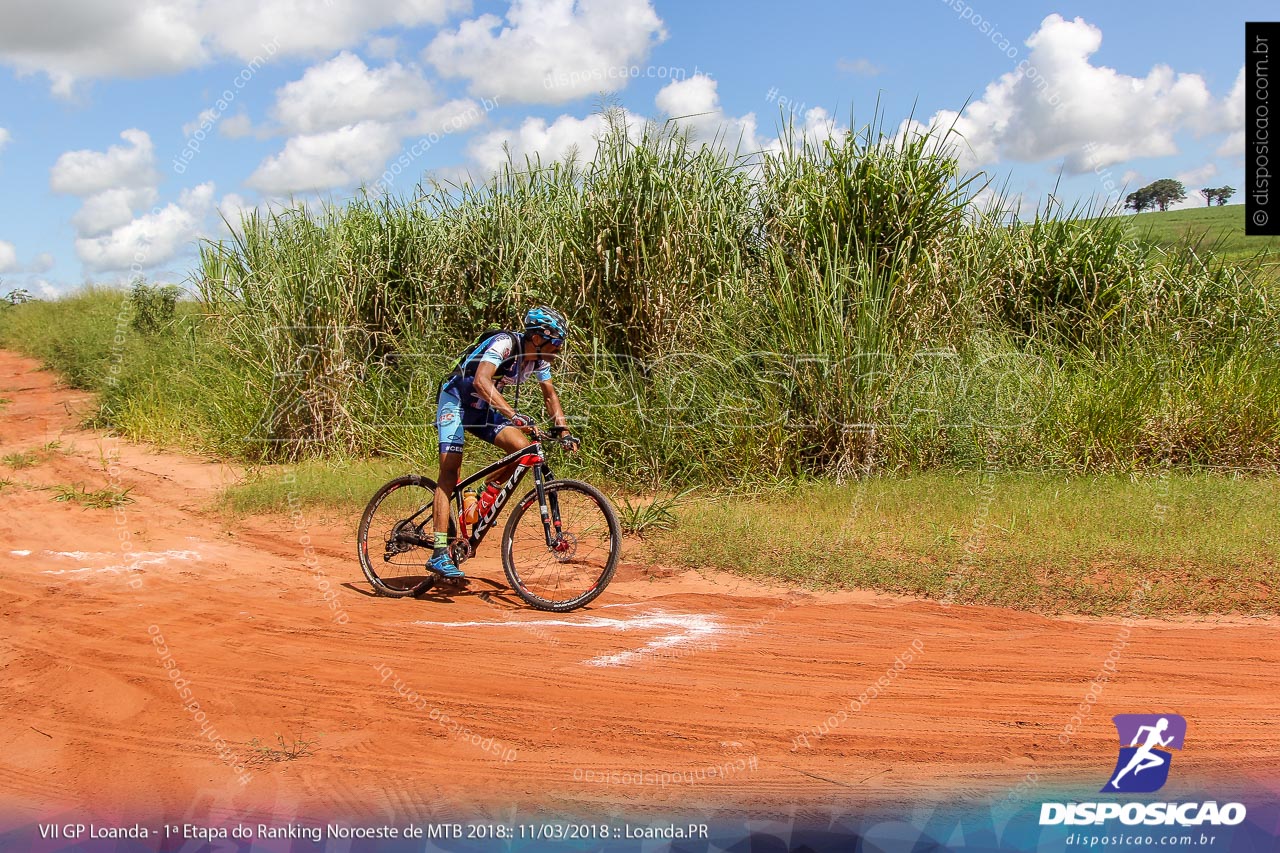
(565, 439)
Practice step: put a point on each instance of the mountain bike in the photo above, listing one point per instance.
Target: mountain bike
(558, 558)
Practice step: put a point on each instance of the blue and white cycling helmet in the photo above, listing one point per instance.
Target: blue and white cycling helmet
(548, 322)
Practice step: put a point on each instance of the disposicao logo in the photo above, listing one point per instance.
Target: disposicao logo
(1143, 767)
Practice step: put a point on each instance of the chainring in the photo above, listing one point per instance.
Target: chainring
(461, 551)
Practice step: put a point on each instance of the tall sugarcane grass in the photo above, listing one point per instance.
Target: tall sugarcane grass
(828, 309)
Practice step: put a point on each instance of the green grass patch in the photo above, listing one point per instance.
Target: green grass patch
(104, 498)
(1050, 543)
(312, 484)
(159, 377)
(641, 517)
(18, 461)
(1220, 229)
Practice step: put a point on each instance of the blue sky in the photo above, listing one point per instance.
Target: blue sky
(99, 98)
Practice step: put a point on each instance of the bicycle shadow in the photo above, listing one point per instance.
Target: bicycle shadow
(491, 592)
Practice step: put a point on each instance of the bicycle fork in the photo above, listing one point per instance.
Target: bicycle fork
(549, 507)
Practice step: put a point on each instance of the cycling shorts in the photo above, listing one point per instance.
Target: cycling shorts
(453, 418)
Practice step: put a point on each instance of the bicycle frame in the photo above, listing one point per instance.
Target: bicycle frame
(530, 457)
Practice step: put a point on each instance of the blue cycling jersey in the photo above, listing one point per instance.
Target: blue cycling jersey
(503, 350)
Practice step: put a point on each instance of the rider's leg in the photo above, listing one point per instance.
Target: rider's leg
(441, 560)
(450, 466)
(509, 440)
(449, 426)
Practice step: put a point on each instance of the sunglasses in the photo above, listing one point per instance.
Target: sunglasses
(551, 340)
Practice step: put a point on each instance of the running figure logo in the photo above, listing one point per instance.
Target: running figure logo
(1143, 765)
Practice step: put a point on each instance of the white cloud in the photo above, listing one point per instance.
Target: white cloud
(344, 91)
(9, 263)
(71, 40)
(84, 173)
(150, 239)
(816, 126)
(234, 206)
(383, 47)
(5, 138)
(1065, 107)
(115, 185)
(1233, 120)
(549, 51)
(231, 209)
(310, 27)
(452, 117)
(1194, 179)
(336, 158)
(695, 104)
(8, 257)
(348, 119)
(206, 116)
(535, 137)
(109, 209)
(861, 66)
(236, 126)
(689, 97)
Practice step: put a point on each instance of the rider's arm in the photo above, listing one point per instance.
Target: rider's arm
(553, 403)
(489, 392)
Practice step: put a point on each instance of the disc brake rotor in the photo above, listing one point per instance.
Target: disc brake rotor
(565, 546)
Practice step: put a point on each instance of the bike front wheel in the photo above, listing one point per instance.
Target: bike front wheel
(578, 562)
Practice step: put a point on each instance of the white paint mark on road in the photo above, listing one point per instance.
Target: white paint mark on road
(141, 559)
(692, 629)
(683, 630)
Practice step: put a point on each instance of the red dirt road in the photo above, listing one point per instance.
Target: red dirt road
(704, 677)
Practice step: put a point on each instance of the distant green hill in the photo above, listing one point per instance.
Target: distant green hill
(1218, 228)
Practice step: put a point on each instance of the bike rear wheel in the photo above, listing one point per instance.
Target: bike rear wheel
(580, 561)
(395, 524)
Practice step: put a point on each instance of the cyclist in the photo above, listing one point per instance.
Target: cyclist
(471, 400)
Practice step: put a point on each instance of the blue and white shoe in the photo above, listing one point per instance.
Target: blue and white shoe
(444, 566)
